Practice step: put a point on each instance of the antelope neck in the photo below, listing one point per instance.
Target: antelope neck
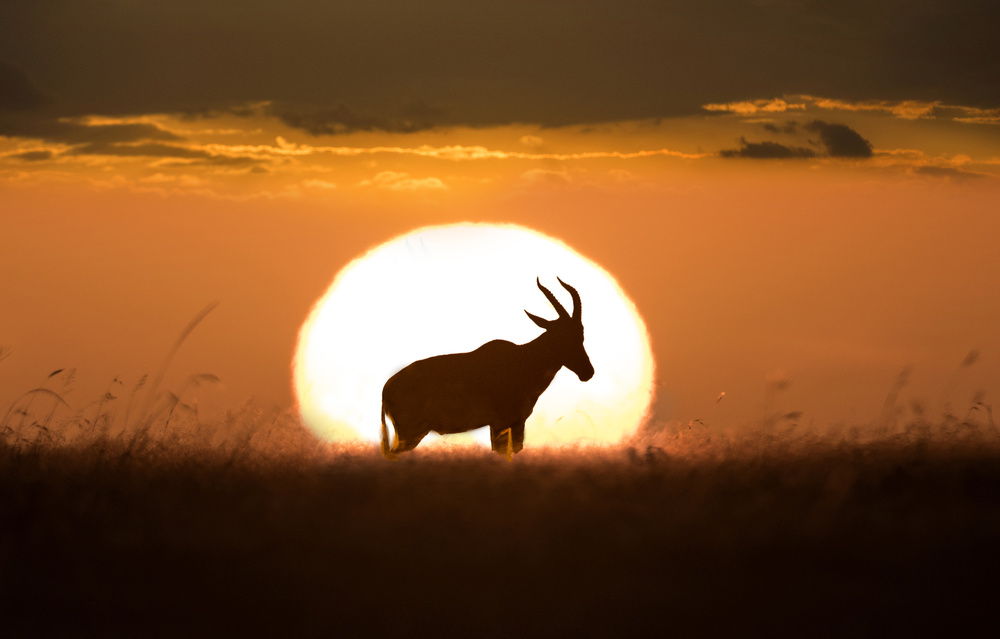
(541, 350)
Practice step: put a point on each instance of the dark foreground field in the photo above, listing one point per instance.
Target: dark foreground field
(666, 537)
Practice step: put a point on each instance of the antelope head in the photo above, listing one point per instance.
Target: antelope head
(566, 332)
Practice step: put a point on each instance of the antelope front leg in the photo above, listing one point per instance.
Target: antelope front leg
(508, 440)
(498, 439)
(517, 437)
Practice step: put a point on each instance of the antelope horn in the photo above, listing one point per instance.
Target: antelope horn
(577, 305)
(552, 299)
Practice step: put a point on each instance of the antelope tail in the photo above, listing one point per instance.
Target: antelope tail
(387, 451)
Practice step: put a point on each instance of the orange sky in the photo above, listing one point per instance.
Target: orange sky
(770, 215)
(835, 273)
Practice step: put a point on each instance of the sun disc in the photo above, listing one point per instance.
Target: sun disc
(450, 289)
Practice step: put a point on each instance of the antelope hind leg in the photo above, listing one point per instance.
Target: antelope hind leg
(402, 445)
(409, 443)
(387, 452)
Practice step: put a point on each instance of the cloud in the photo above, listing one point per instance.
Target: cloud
(182, 180)
(840, 140)
(396, 181)
(790, 128)
(26, 113)
(32, 156)
(754, 107)
(257, 108)
(341, 120)
(51, 129)
(139, 150)
(159, 150)
(323, 185)
(538, 177)
(104, 136)
(837, 140)
(767, 151)
(17, 92)
(948, 172)
(903, 109)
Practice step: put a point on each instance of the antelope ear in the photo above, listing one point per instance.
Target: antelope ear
(542, 323)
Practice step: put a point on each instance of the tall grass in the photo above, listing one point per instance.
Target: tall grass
(161, 522)
(245, 525)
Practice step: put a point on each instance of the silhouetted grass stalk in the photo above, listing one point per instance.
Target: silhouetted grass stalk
(151, 394)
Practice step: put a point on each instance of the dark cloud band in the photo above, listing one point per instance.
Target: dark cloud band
(492, 63)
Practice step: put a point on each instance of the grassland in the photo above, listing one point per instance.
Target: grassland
(168, 526)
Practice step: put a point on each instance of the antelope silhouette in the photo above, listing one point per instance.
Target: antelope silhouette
(497, 384)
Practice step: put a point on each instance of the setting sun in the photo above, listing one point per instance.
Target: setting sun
(450, 289)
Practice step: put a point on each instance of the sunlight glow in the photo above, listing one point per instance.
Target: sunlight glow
(449, 289)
